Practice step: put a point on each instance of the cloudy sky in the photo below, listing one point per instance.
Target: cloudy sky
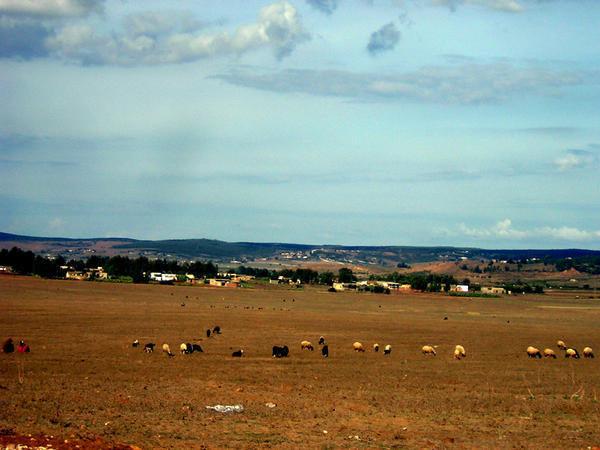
(354, 122)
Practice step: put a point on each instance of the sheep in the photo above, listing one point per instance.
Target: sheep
(149, 348)
(387, 350)
(376, 347)
(23, 347)
(217, 330)
(358, 347)
(184, 349)
(135, 343)
(208, 333)
(571, 353)
(197, 348)
(588, 352)
(8, 346)
(325, 351)
(280, 352)
(321, 340)
(306, 345)
(238, 353)
(167, 349)
(532, 352)
(561, 345)
(459, 352)
(549, 353)
(428, 350)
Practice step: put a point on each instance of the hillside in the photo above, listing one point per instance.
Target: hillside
(271, 254)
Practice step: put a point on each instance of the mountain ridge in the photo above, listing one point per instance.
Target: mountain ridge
(245, 252)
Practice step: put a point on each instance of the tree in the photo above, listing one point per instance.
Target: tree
(326, 278)
(345, 275)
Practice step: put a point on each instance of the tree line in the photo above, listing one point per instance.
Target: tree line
(139, 269)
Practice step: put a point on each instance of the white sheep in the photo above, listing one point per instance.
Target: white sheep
(549, 353)
(532, 352)
(588, 352)
(167, 349)
(387, 350)
(358, 347)
(428, 350)
(306, 345)
(561, 345)
(571, 353)
(376, 347)
(459, 352)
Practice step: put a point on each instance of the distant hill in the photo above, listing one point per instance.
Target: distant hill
(251, 253)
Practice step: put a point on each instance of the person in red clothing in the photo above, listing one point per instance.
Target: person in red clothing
(23, 347)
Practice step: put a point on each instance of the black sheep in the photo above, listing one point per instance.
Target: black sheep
(280, 352)
(149, 348)
(237, 353)
(325, 351)
(197, 348)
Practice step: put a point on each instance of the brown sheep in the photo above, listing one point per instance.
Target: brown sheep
(532, 352)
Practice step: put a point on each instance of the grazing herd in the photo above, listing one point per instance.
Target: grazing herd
(570, 352)
(283, 351)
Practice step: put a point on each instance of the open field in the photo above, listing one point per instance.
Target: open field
(83, 380)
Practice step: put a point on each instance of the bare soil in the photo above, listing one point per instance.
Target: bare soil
(85, 384)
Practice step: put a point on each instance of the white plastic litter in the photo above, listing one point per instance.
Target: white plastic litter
(226, 408)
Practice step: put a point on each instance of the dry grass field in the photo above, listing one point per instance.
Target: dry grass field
(84, 383)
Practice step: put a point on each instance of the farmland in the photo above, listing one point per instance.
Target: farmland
(83, 381)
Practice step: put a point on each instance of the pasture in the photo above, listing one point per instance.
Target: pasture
(84, 380)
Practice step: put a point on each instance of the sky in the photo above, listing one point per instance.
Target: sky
(351, 122)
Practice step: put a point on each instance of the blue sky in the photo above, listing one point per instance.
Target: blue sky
(433, 122)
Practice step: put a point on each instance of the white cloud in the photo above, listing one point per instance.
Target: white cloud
(56, 224)
(153, 23)
(278, 27)
(466, 84)
(71, 38)
(50, 8)
(505, 230)
(575, 159)
(498, 5)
